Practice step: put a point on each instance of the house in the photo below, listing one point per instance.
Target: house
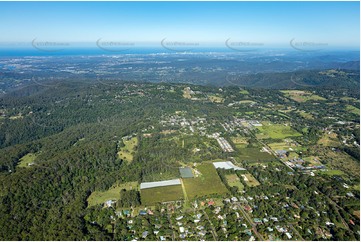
(248, 208)
(211, 203)
(289, 236)
(234, 199)
(144, 234)
(109, 203)
(142, 212)
(257, 220)
(179, 218)
(329, 223)
(269, 229)
(181, 229)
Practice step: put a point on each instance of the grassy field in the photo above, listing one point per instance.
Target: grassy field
(113, 193)
(302, 96)
(240, 142)
(305, 115)
(244, 92)
(284, 146)
(151, 196)
(246, 101)
(250, 180)
(332, 172)
(314, 160)
(353, 109)
(329, 140)
(234, 181)
(216, 99)
(207, 183)
(339, 161)
(253, 154)
(276, 131)
(126, 152)
(26, 159)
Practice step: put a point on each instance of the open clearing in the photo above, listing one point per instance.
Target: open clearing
(275, 131)
(187, 93)
(332, 172)
(353, 109)
(234, 181)
(246, 102)
(305, 114)
(216, 99)
(151, 196)
(113, 193)
(240, 142)
(126, 152)
(208, 182)
(26, 159)
(313, 160)
(285, 145)
(329, 139)
(302, 96)
(250, 180)
(244, 92)
(253, 154)
(340, 161)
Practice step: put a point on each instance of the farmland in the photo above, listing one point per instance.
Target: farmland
(151, 196)
(99, 197)
(207, 183)
(275, 131)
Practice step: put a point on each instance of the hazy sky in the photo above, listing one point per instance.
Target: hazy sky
(271, 23)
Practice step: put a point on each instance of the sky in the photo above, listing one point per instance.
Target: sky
(270, 23)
